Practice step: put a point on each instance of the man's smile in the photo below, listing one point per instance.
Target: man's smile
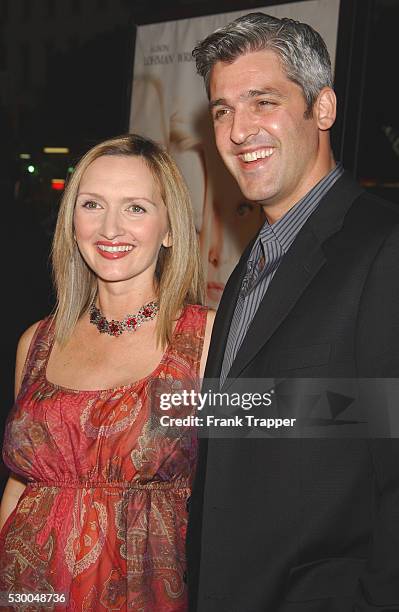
(251, 156)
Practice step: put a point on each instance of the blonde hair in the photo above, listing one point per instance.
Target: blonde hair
(178, 272)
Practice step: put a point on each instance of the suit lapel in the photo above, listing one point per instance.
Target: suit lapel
(297, 269)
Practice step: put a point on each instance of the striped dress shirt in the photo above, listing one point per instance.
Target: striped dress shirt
(268, 250)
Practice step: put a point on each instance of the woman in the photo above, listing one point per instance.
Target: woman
(95, 510)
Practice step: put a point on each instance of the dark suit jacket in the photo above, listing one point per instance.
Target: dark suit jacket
(307, 525)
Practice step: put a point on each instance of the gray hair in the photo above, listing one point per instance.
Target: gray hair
(301, 49)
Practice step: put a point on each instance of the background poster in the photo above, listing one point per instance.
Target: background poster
(169, 105)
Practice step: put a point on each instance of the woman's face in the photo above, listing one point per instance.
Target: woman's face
(120, 219)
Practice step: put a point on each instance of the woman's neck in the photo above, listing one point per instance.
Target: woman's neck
(116, 301)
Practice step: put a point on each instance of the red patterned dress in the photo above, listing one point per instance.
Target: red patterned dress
(103, 517)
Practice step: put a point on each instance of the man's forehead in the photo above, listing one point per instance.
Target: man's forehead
(247, 66)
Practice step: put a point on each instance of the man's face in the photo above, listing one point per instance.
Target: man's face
(261, 131)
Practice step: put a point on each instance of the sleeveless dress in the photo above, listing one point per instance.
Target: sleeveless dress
(103, 517)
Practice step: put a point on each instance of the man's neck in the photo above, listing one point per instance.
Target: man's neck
(276, 210)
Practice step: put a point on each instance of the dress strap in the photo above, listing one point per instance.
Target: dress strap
(188, 337)
(36, 358)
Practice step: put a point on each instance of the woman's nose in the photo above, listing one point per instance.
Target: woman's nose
(112, 226)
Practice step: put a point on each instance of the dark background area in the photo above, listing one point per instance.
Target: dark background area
(65, 81)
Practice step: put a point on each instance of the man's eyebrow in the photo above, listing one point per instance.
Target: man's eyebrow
(251, 93)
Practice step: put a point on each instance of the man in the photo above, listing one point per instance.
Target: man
(296, 525)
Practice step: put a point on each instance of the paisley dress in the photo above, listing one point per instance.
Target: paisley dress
(102, 520)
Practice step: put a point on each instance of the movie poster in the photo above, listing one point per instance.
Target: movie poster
(169, 104)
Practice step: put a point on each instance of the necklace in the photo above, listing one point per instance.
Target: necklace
(130, 323)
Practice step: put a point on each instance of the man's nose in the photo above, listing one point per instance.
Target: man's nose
(243, 126)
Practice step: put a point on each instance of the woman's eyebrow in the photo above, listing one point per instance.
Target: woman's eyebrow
(124, 199)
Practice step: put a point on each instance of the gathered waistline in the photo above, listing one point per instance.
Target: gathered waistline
(104, 484)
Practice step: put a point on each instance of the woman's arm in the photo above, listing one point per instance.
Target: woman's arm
(12, 492)
(15, 486)
(207, 338)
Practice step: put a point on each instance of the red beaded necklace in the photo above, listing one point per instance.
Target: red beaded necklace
(130, 323)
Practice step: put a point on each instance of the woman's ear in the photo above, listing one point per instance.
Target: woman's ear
(325, 108)
(167, 241)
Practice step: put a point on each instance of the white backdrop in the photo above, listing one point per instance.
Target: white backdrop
(169, 105)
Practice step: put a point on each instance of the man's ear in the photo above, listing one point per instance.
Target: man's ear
(325, 108)
(167, 241)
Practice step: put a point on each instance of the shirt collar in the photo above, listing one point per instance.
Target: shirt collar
(285, 230)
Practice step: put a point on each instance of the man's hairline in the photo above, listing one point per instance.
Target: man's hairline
(207, 82)
(309, 109)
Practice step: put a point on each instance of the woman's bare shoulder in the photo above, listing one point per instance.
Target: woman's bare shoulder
(22, 352)
(210, 318)
(26, 338)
